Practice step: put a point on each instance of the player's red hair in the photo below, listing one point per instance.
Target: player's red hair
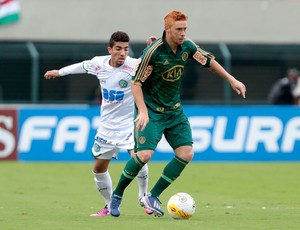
(173, 16)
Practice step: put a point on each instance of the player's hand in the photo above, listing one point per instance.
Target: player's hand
(141, 121)
(150, 40)
(51, 74)
(239, 87)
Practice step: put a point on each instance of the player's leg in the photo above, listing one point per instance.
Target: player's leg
(131, 170)
(145, 143)
(156, 131)
(142, 179)
(103, 154)
(178, 135)
(173, 169)
(103, 183)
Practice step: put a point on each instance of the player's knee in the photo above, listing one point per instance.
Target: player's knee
(189, 155)
(144, 156)
(185, 152)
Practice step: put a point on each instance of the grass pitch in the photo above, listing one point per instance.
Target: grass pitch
(228, 196)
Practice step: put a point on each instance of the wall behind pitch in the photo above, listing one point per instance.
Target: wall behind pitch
(230, 21)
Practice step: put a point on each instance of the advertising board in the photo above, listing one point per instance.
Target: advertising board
(220, 133)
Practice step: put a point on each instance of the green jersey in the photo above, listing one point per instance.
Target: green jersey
(160, 72)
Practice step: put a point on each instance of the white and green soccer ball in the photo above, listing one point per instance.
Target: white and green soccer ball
(181, 206)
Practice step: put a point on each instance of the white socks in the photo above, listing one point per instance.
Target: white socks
(142, 179)
(104, 185)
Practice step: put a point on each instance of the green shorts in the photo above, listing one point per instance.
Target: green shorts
(173, 124)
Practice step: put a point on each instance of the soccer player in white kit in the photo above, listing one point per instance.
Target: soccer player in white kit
(115, 131)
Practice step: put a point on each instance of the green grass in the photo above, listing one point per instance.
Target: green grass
(228, 196)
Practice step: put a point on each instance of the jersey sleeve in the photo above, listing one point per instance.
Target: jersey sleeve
(201, 56)
(72, 69)
(131, 65)
(145, 66)
(89, 66)
(94, 65)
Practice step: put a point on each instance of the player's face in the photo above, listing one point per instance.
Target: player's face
(118, 53)
(177, 32)
(293, 77)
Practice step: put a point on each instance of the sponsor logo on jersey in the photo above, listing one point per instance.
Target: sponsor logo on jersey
(147, 73)
(97, 69)
(102, 140)
(166, 62)
(123, 83)
(128, 68)
(200, 58)
(113, 96)
(173, 74)
(184, 56)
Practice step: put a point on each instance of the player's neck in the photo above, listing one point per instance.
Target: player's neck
(114, 65)
(172, 45)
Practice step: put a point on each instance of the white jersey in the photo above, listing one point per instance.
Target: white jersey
(117, 106)
(117, 99)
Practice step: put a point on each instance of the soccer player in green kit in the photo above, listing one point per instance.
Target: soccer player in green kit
(156, 91)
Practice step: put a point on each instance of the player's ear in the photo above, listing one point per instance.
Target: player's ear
(167, 29)
(109, 49)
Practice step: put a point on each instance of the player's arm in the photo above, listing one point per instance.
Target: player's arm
(144, 70)
(236, 85)
(208, 60)
(52, 74)
(71, 69)
(150, 40)
(142, 118)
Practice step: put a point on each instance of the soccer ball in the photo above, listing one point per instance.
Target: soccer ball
(181, 206)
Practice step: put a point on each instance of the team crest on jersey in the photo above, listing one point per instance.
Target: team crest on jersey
(123, 83)
(96, 147)
(173, 74)
(200, 58)
(142, 140)
(147, 73)
(184, 56)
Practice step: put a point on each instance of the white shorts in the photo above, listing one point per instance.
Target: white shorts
(108, 144)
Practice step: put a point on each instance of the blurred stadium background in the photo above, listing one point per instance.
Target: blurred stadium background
(255, 40)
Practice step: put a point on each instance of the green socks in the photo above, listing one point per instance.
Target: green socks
(170, 173)
(130, 171)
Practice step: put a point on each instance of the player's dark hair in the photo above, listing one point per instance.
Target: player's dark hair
(118, 36)
(293, 71)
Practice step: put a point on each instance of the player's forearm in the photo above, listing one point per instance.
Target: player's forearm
(139, 98)
(220, 71)
(236, 85)
(72, 69)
